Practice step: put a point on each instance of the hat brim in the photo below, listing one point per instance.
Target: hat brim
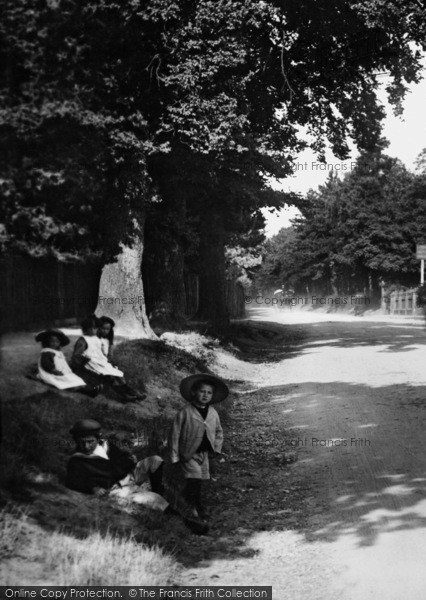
(85, 427)
(221, 390)
(43, 336)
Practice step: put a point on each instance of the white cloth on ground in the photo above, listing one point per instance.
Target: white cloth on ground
(129, 489)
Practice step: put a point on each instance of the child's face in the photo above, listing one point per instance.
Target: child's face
(91, 331)
(204, 394)
(104, 330)
(53, 342)
(87, 444)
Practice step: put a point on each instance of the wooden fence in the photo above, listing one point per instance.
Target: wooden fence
(40, 292)
(45, 291)
(235, 299)
(401, 302)
(234, 295)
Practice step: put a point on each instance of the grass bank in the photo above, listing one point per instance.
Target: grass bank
(63, 537)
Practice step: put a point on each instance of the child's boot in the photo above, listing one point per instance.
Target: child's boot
(156, 480)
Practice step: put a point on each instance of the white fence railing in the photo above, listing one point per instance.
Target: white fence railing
(401, 302)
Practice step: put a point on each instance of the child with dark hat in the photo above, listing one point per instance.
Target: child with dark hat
(97, 466)
(196, 432)
(102, 468)
(53, 368)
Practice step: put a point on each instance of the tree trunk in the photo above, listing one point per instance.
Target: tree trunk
(212, 298)
(163, 269)
(121, 294)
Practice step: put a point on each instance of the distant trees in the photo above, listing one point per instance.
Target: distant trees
(354, 232)
(176, 115)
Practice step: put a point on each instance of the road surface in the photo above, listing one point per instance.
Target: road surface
(351, 400)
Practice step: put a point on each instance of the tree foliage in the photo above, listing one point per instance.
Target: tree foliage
(97, 95)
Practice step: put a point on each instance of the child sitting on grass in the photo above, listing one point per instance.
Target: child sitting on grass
(196, 432)
(106, 335)
(53, 368)
(90, 361)
(101, 468)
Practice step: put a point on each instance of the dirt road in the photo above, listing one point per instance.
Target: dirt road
(348, 518)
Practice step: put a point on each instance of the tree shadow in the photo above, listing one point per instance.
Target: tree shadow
(291, 340)
(372, 489)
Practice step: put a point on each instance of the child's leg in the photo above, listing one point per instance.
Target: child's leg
(150, 468)
(131, 392)
(89, 390)
(195, 470)
(125, 392)
(192, 493)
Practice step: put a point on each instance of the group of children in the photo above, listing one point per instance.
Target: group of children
(91, 367)
(100, 468)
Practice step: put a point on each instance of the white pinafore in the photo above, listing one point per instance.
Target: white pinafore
(98, 362)
(62, 382)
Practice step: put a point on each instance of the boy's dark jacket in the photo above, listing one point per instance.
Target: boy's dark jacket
(85, 473)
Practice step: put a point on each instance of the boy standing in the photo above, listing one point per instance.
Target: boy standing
(196, 432)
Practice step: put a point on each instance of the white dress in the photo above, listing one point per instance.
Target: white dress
(104, 346)
(98, 362)
(62, 382)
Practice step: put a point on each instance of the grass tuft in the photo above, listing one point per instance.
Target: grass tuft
(56, 558)
(107, 560)
(12, 524)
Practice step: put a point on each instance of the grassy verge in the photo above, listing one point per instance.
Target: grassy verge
(58, 559)
(70, 538)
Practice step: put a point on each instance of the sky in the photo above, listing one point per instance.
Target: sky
(406, 134)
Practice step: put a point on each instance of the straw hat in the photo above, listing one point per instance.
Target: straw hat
(221, 390)
(43, 336)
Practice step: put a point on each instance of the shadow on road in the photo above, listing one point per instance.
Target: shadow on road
(290, 340)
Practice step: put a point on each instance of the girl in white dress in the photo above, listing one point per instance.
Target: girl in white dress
(106, 334)
(53, 368)
(90, 360)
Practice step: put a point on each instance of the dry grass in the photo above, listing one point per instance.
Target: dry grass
(12, 525)
(107, 560)
(58, 559)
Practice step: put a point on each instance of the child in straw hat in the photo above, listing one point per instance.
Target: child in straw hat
(197, 431)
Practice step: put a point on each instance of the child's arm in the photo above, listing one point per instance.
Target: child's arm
(175, 436)
(78, 360)
(47, 363)
(218, 441)
(109, 354)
